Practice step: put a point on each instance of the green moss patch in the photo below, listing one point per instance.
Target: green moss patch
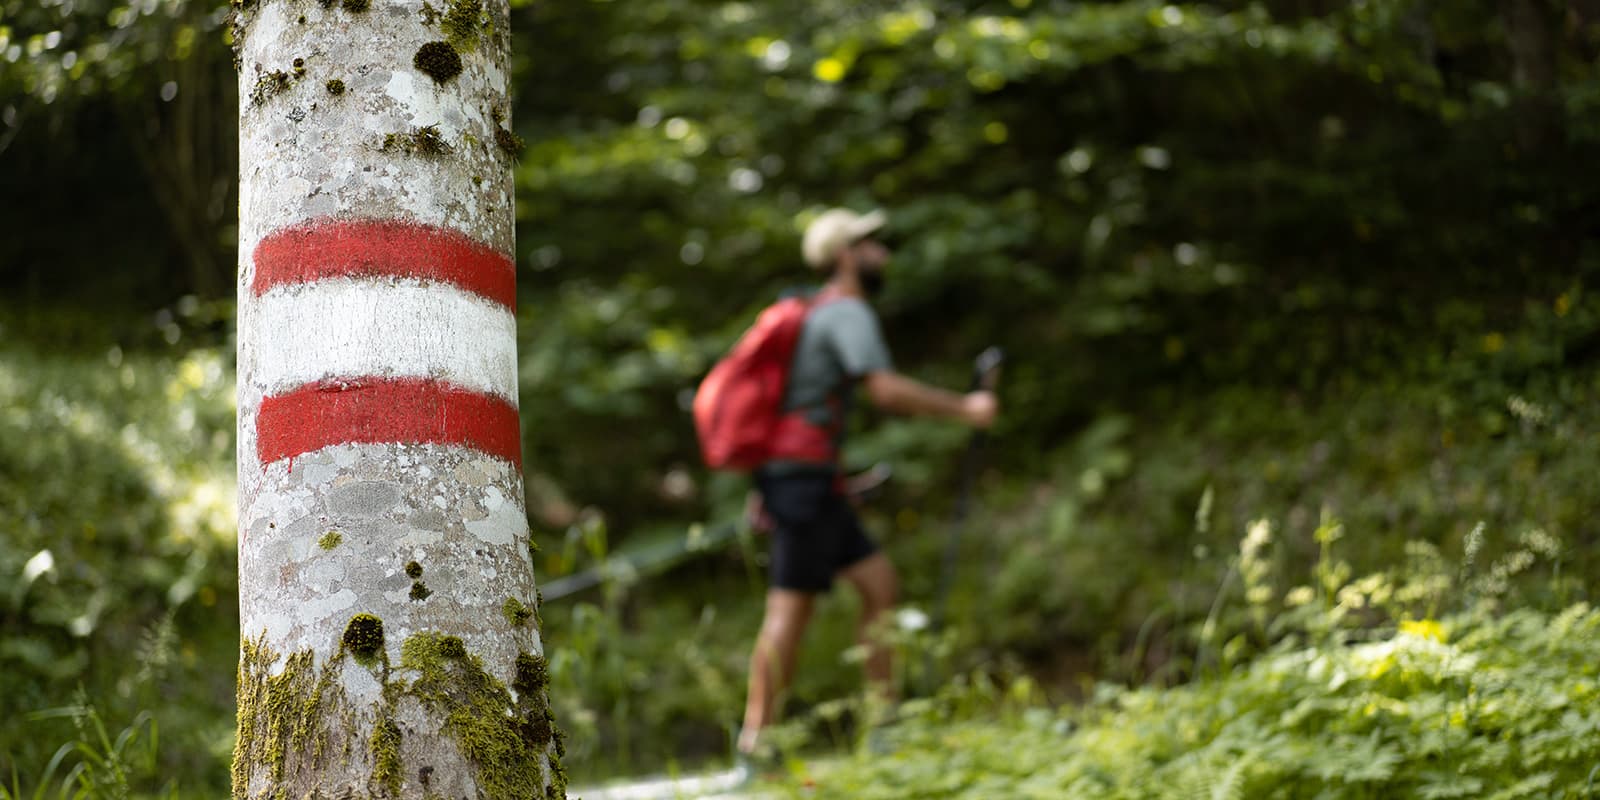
(532, 674)
(438, 60)
(452, 647)
(330, 540)
(363, 637)
(285, 719)
(474, 705)
(269, 85)
(462, 23)
(424, 141)
(516, 612)
(509, 143)
(280, 716)
(384, 747)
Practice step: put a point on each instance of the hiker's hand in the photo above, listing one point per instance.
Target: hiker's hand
(755, 514)
(860, 487)
(979, 409)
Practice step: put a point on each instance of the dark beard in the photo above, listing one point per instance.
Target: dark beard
(871, 282)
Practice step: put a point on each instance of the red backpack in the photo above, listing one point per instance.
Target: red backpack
(738, 409)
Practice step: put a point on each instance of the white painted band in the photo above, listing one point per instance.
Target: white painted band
(381, 327)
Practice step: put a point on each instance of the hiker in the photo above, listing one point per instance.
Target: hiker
(799, 490)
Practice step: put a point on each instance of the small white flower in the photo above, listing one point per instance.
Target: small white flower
(42, 562)
(911, 619)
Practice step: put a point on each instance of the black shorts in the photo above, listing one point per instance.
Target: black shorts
(816, 533)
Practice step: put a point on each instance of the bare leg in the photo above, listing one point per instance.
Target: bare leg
(875, 580)
(772, 660)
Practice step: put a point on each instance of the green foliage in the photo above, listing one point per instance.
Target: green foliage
(1494, 441)
(1249, 259)
(1121, 193)
(658, 679)
(117, 502)
(1471, 704)
(100, 765)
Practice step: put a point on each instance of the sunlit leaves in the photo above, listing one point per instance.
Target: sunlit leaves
(1504, 725)
(79, 48)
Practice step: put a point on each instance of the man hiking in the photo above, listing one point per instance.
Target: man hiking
(816, 535)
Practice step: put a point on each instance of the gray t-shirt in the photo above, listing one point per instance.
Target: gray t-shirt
(841, 342)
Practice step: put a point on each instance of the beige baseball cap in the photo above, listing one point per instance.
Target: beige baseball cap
(834, 230)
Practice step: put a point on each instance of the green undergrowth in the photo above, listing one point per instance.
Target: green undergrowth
(1119, 560)
(1364, 694)
(656, 681)
(117, 589)
(1109, 557)
(1120, 553)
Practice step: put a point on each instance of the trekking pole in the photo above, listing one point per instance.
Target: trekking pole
(985, 375)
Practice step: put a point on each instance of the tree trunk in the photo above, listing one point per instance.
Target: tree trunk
(1529, 25)
(387, 603)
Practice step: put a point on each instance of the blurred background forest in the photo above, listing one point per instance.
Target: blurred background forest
(1302, 342)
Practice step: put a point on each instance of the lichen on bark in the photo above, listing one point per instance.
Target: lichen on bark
(463, 23)
(423, 141)
(288, 719)
(282, 717)
(493, 731)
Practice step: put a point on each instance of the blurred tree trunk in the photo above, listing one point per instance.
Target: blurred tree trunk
(183, 136)
(1530, 26)
(387, 604)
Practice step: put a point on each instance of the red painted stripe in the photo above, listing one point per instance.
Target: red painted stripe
(334, 248)
(372, 410)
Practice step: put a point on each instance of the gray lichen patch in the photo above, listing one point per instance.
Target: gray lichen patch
(363, 499)
(466, 568)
